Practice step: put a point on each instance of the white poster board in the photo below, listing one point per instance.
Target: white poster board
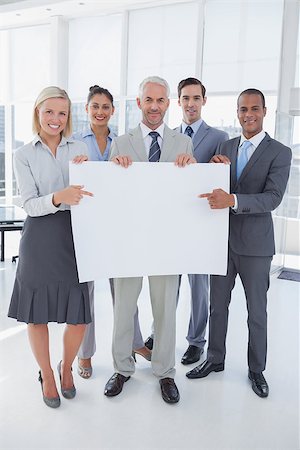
(148, 220)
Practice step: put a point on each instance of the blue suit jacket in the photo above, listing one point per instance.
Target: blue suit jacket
(206, 141)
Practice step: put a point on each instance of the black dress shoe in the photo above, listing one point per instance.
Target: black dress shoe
(169, 390)
(149, 343)
(115, 385)
(204, 369)
(259, 384)
(192, 355)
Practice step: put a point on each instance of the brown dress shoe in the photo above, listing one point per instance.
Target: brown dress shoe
(115, 385)
(169, 390)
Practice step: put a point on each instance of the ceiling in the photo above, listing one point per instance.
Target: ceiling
(19, 13)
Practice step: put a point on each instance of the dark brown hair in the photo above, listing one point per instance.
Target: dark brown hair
(99, 90)
(188, 82)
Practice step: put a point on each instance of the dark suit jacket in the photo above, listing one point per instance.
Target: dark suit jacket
(259, 191)
(206, 141)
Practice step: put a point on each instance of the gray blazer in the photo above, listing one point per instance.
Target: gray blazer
(206, 141)
(132, 144)
(259, 191)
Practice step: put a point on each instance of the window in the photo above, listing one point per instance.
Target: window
(30, 61)
(242, 45)
(154, 47)
(94, 55)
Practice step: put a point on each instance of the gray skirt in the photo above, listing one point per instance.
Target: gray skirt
(46, 288)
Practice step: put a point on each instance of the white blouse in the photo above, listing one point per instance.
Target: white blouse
(39, 173)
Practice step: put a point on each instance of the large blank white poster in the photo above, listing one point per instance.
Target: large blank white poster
(148, 220)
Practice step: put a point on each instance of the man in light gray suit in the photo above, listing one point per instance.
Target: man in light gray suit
(259, 173)
(206, 139)
(151, 141)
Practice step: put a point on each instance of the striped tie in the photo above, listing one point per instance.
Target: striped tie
(154, 151)
(242, 158)
(189, 131)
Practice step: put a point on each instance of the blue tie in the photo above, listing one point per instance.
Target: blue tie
(242, 158)
(154, 151)
(189, 131)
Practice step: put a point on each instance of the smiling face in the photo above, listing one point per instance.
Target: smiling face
(100, 110)
(53, 116)
(251, 113)
(153, 104)
(191, 102)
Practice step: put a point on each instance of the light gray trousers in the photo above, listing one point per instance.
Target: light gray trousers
(163, 293)
(88, 345)
(199, 285)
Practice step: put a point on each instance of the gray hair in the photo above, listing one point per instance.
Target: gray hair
(154, 79)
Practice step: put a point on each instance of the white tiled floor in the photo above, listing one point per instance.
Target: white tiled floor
(218, 412)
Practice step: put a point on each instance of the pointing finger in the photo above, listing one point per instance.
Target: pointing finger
(204, 195)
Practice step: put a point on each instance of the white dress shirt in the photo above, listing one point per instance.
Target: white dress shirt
(148, 139)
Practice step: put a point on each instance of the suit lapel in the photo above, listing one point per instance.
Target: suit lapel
(233, 159)
(137, 144)
(167, 144)
(256, 155)
(200, 135)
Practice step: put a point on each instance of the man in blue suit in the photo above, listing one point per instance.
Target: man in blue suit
(259, 173)
(206, 139)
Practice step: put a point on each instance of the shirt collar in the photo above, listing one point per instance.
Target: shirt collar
(194, 126)
(36, 139)
(255, 140)
(64, 140)
(89, 132)
(146, 130)
(111, 135)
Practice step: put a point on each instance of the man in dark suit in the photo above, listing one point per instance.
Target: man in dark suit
(260, 169)
(206, 139)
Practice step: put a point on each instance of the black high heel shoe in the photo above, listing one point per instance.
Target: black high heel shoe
(51, 402)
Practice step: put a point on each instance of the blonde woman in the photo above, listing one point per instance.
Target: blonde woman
(46, 288)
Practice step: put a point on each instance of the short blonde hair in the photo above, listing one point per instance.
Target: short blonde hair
(51, 92)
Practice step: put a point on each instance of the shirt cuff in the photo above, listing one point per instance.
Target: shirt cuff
(49, 204)
(235, 206)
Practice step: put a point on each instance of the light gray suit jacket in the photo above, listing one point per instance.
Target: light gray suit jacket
(132, 144)
(206, 141)
(259, 191)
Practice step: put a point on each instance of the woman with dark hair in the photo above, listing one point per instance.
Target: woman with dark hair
(46, 288)
(98, 137)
